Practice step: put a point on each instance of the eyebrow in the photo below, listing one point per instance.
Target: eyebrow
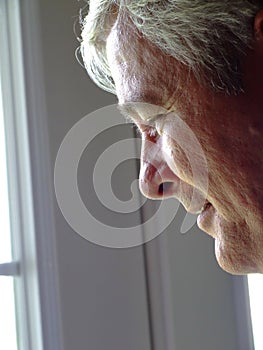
(127, 110)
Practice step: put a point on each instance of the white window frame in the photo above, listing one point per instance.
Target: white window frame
(32, 223)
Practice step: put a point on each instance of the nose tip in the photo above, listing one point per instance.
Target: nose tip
(148, 183)
(157, 183)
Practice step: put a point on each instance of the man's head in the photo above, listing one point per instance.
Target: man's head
(200, 62)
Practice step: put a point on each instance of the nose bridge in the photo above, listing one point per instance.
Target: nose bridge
(151, 153)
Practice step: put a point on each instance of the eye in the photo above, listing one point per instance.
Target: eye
(149, 131)
(153, 132)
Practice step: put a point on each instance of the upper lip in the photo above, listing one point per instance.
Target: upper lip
(204, 207)
(198, 208)
(194, 201)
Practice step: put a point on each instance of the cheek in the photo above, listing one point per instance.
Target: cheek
(177, 160)
(185, 156)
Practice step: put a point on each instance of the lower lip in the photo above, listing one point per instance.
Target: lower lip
(204, 220)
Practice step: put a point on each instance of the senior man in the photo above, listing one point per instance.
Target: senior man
(203, 62)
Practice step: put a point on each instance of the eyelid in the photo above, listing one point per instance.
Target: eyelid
(152, 125)
(152, 120)
(159, 122)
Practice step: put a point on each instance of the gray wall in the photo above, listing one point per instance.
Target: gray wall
(103, 292)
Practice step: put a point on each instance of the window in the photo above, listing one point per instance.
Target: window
(255, 283)
(8, 336)
(20, 325)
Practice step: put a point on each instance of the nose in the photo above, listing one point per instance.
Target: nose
(157, 181)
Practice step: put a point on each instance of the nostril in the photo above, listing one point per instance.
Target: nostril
(160, 190)
(164, 188)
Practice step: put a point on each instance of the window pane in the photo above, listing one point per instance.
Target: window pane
(8, 339)
(5, 245)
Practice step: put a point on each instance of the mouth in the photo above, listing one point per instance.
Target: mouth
(205, 217)
(204, 207)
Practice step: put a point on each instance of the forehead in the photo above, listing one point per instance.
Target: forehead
(142, 73)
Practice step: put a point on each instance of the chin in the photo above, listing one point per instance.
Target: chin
(238, 247)
(236, 259)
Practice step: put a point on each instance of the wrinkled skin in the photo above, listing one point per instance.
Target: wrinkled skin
(229, 130)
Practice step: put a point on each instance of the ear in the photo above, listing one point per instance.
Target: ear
(258, 26)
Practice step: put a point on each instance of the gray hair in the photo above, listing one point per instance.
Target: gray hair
(210, 37)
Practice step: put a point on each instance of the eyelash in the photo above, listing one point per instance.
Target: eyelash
(151, 131)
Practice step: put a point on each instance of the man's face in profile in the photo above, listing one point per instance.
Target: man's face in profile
(228, 128)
